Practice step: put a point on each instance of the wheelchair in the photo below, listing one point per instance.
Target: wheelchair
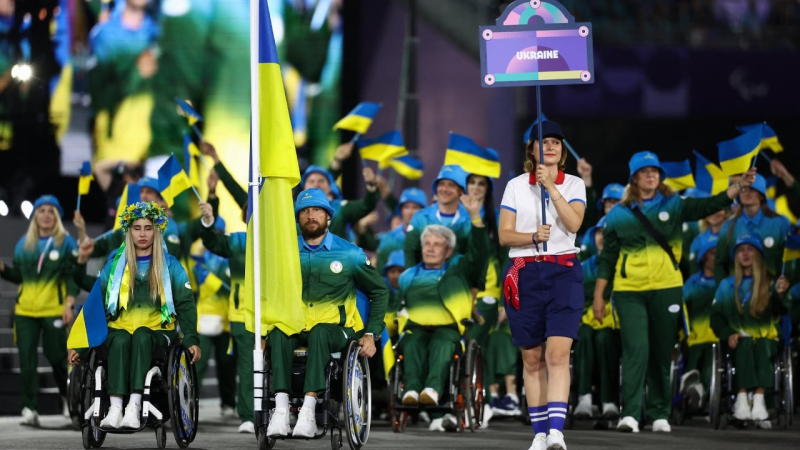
(464, 393)
(170, 392)
(348, 388)
(601, 422)
(723, 393)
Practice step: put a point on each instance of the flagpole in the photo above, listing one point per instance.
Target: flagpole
(79, 202)
(255, 145)
(764, 155)
(572, 150)
(541, 156)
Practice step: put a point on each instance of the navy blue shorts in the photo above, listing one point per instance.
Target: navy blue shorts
(550, 303)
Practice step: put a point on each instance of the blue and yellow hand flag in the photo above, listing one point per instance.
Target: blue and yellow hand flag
(90, 328)
(85, 178)
(408, 167)
(191, 115)
(782, 208)
(172, 180)
(384, 148)
(474, 159)
(190, 151)
(387, 353)
(772, 181)
(210, 284)
(130, 195)
(708, 176)
(769, 139)
(360, 118)
(678, 175)
(273, 151)
(736, 155)
(791, 251)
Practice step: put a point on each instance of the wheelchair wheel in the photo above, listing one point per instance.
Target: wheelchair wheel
(788, 385)
(74, 394)
(676, 370)
(91, 434)
(336, 438)
(262, 417)
(715, 414)
(398, 418)
(474, 390)
(161, 436)
(182, 395)
(357, 397)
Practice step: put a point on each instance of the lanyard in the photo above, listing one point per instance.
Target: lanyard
(455, 218)
(44, 252)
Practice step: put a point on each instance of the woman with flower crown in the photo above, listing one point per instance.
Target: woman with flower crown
(146, 291)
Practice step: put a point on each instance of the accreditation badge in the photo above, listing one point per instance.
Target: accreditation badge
(336, 267)
(54, 255)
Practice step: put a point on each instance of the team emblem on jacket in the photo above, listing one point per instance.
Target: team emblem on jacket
(336, 267)
(228, 272)
(173, 239)
(769, 241)
(663, 216)
(369, 263)
(54, 255)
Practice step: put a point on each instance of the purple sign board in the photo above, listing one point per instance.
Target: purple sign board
(536, 42)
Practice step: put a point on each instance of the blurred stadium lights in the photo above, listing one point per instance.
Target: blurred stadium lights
(3, 208)
(22, 72)
(27, 208)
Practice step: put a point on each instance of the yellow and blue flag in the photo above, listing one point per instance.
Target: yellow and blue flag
(473, 158)
(384, 148)
(85, 178)
(172, 180)
(678, 175)
(782, 208)
(210, 284)
(190, 151)
(408, 167)
(736, 155)
(130, 195)
(274, 153)
(90, 328)
(769, 139)
(360, 118)
(708, 176)
(387, 353)
(772, 181)
(791, 250)
(191, 115)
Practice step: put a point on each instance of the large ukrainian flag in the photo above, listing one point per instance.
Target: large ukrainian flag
(281, 286)
(473, 158)
(90, 328)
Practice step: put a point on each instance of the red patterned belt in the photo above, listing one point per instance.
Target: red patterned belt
(511, 283)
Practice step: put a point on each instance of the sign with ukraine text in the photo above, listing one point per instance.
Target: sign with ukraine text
(536, 42)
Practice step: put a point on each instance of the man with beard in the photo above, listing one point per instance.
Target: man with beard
(332, 270)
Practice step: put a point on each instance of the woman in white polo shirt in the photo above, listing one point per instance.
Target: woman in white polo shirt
(543, 289)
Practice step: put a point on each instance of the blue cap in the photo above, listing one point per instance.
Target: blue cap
(706, 243)
(313, 198)
(549, 129)
(612, 191)
(150, 183)
(760, 185)
(396, 259)
(219, 224)
(49, 200)
(412, 195)
(696, 193)
(453, 173)
(337, 194)
(748, 238)
(645, 159)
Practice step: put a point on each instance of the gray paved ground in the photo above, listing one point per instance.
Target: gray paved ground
(218, 433)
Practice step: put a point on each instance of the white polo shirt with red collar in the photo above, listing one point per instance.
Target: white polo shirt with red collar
(523, 196)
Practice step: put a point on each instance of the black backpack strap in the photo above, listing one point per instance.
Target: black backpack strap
(655, 234)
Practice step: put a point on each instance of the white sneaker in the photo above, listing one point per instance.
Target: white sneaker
(764, 425)
(610, 411)
(689, 378)
(279, 423)
(424, 417)
(661, 426)
(131, 419)
(741, 409)
(306, 425)
(410, 398)
(247, 427)
(227, 411)
(695, 393)
(113, 418)
(436, 425)
(555, 441)
(584, 408)
(29, 417)
(628, 425)
(487, 416)
(539, 442)
(65, 410)
(449, 422)
(429, 397)
(759, 411)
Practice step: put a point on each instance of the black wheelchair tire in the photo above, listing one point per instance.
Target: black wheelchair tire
(474, 389)
(161, 436)
(715, 395)
(264, 442)
(182, 437)
(92, 436)
(398, 418)
(336, 438)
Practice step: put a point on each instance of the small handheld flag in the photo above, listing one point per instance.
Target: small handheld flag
(359, 119)
(190, 151)
(191, 116)
(791, 251)
(385, 147)
(85, 178)
(736, 155)
(473, 158)
(769, 139)
(708, 176)
(173, 181)
(678, 175)
(408, 167)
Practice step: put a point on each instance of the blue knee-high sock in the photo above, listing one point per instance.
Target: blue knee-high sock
(538, 415)
(557, 412)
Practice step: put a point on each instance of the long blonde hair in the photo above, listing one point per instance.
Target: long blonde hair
(157, 261)
(530, 162)
(761, 283)
(633, 194)
(32, 236)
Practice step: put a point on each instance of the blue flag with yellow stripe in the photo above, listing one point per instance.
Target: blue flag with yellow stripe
(172, 180)
(678, 175)
(191, 115)
(90, 328)
(407, 166)
(385, 147)
(474, 159)
(769, 139)
(708, 176)
(736, 155)
(360, 118)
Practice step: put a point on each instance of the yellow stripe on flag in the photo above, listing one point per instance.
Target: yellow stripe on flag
(737, 165)
(83, 184)
(681, 183)
(782, 208)
(179, 183)
(772, 144)
(358, 124)
(472, 164)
